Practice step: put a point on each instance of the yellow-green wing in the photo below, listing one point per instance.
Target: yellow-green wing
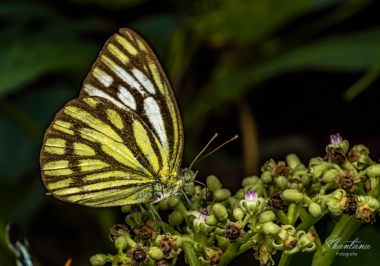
(98, 153)
(128, 73)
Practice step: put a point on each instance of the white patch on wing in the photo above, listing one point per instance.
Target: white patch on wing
(145, 82)
(126, 97)
(103, 77)
(124, 75)
(93, 91)
(153, 112)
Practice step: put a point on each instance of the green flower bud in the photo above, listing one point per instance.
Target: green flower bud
(315, 209)
(238, 214)
(292, 195)
(240, 194)
(268, 166)
(130, 221)
(213, 183)
(220, 212)
(191, 219)
(223, 242)
(221, 195)
(156, 253)
(210, 195)
(270, 229)
(211, 220)
(373, 170)
(189, 188)
(219, 231)
(178, 244)
(300, 167)
(126, 208)
(292, 160)
(316, 186)
(329, 175)
(250, 181)
(306, 180)
(121, 242)
(266, 177)
(176, 217)
(174, 201)
(282, 182)
(157, 240)
(318, 167)
(163, 204)
(98, 260)
(266, 217)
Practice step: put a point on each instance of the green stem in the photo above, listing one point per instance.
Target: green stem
(309, 221)
(285, 259)
(318, 243)
(346, 232)
(281, 215)
(246, 219)
(229, 254)
(203, 242)
(190, 254)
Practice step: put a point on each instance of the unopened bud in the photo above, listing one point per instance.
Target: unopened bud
(220, 212)
(176, 217)
(126, 208)
(156, 253)
(315, 209)
(266, 217)
(282, 182)
(211, 220)
(121, 242)
(292, 195)
(330, 175)
(98, 260)
(213, 183)
(266, 177)
(306, 180)
(271, 229)
(250, 181)
(373, 170)
(163, 204)
(174, 201)
(292, 160)
(240, 194)
(238, 214)
(189, 188)
(221, 195)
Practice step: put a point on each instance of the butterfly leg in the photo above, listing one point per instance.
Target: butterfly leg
(189, 203)
(154, 212)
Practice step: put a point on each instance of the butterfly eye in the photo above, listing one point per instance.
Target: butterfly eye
(188, 176)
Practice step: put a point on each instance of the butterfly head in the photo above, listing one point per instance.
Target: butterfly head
(188, 175)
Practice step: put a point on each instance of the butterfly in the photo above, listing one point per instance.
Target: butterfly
(121, 141)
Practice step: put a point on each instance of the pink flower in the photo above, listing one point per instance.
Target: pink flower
(335, 139)
(250, 196)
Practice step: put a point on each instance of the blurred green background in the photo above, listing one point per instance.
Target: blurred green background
(283, 75)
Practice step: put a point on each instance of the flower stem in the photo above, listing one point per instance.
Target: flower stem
(346, 232)
(190, 254)
(281, 215)
(230, 253)
(285, 259)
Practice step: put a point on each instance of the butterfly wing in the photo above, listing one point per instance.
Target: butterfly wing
(127, 72)
(98, 153)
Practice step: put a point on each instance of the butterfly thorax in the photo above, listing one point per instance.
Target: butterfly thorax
(171, 186)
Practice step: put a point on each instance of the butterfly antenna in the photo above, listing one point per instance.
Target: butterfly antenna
(216, 134)
(235, 137)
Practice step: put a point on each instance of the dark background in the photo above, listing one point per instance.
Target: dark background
(283, 75)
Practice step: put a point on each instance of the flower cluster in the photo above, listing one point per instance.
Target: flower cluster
(212, 226)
